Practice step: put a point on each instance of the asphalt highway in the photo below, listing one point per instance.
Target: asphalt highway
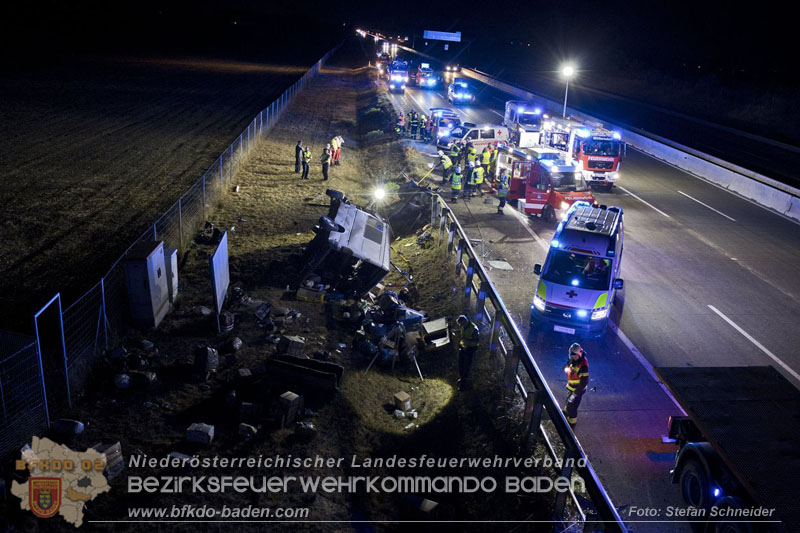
(710, 280)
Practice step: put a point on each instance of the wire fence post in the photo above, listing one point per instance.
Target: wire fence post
(180, 226)
(459, 256)
(155, 232)
(41, 376)
(105, 316)
(204, 197)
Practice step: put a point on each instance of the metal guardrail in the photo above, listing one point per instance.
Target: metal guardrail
(490, 309)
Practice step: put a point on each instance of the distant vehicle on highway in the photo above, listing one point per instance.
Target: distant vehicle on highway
(460, 92)
(383, 62)
(444, 120)
(425, 77)
(452, 68)
(480, 135)
(398, 76)
(580, 276)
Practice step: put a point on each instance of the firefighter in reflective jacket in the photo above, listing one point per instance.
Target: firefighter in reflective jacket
(306, 162)
(447, 166)
(477, 179)
(472, 153)
(326, 163)
(414, 125)
(469, 339)
(502, 191)
(455, 153)
(493, 162)
(577, 370)
(455, 184)
(486, 159)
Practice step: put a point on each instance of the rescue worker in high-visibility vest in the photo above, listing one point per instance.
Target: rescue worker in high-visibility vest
(455, 153)
(298, 156)
(493, 163)
(414, 125)
(477, 177)
(422, 121)
(334, 151)
(447, 166)
(339, 144)
(326, 162)
(306, 162)
(486, 159)
(472, 153)
(469, 339)
(502, 191)
(401, 124)
(470, 185)
(455, 184)
(577, 370)
(428, 129)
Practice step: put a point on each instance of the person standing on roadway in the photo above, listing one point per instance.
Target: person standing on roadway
(306, 162)
(502, 191)
(493, 162)
(447, 165)
(477, 178)
(486, 159)
(472, 153)
(468, 342)
(577, 370)
(298, 156)
(455, 153)
(326, 162)
(455, 184)
(414, 125)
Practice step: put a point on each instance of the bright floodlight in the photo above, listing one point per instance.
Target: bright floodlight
(379, 193)
(568, 71)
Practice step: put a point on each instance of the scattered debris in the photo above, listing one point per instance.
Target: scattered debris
(206, 361)
(122, 381)
(226, 320)
(247, 431)
(399, 414)
(203, 311)
(410, 425)
(291, 404)
(143, 380)
(402, 401)
(263, 311)
(306, 428)
(250, 411)
(67, 426)
(233, 345)
(427, 505)
(291, 345)
(230, 398)
(146, 345)
(500, 265)
(201, 433)
(244, 373)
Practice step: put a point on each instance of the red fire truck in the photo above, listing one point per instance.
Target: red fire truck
(597, 149)
(543, 181)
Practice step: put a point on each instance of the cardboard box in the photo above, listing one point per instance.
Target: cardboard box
(402, 401)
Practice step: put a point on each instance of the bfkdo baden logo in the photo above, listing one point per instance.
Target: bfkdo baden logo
(44, 496)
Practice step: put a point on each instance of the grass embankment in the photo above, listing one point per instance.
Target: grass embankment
(273, 213)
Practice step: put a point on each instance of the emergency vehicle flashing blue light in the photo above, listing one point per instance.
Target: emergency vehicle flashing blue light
(616, 135)
(574, 282)
(555, 243)
(582, 313)
(583, 133)
(717, 492)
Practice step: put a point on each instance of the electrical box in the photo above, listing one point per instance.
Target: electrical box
(171, 258)
(146, 278)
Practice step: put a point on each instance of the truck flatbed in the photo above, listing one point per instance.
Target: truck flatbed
(751, 416)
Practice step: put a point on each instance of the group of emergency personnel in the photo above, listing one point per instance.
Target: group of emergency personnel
(413, 125)
(468, 182)
(331, 155)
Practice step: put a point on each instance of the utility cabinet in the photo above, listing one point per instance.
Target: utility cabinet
(146, 279)
(171, 258)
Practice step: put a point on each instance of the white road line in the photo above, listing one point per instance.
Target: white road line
(524, 221)
(499, 100)
(706, 205)
(642, 361)
(421, 107)
(496, 112)
(758, 344)
(648, 204)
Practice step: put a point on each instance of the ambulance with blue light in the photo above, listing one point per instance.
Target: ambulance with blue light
(460, 92)
(581, 274)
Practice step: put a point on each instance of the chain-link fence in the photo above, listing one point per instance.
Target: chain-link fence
(92, 321)
(23, 409)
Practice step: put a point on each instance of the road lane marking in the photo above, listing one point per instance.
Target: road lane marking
(420, 106)
(642, 361)
(754, 341)
(496, 112)
(708, 206)
(648, 204)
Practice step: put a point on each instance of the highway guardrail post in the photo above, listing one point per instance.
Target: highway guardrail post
(510, 372)
(532, 419)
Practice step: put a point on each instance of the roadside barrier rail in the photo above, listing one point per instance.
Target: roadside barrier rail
(554, 432)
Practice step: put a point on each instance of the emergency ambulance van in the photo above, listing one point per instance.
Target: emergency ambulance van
(580, 276)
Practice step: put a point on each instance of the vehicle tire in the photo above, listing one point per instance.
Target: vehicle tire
(729, 525)
(608, 187)
(694, 483)
(548, 213)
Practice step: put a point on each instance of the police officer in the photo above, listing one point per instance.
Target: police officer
(469, 339)
(455, 184)
(326, 163)
(306, 162)
(577, 370)
(298, 156)
(447, 166)
(502, 191)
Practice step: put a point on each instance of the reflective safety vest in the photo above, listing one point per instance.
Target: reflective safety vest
(306, 156)
(402, 120)
(477, 175)
(334, 144)
(446, 162)
(494, 155)
(414, 122)
(454, 151)
(578, 375)
(455, 182)
(470, 336)
(326, 158)
(486, 157)
(502, 187)
(472, 154)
